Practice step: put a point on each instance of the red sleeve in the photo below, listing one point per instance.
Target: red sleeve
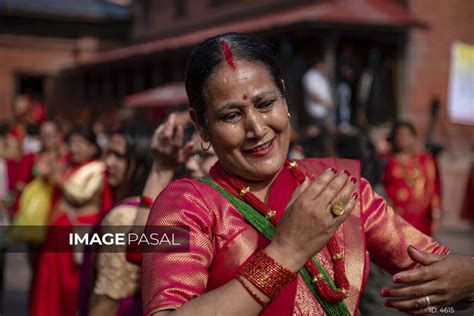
(388, 235)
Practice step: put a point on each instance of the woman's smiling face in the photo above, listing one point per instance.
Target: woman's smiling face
(248, 123)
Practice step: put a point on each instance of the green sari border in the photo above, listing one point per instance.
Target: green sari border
(265, 227)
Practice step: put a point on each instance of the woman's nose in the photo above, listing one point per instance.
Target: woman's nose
(255, 126)
(109, 161)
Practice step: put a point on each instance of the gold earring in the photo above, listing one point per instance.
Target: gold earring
(289, 115)
(205, 149)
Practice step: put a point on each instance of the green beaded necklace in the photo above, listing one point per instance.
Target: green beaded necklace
(264, 226)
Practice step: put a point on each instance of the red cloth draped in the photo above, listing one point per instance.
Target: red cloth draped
(56, 288)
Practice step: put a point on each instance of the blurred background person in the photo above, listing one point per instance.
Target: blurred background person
(100, 132)
(3, 169)
(36, 195)
(411, 180)
(199, 161)
(196, 156)
(37, 163)
(31, 142)
(116, 289)
(108, 280)
(319, 104)
(344, 98)
(318, 94)
(84, 195)
(4, 214)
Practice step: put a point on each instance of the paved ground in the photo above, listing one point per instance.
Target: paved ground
(16, 283)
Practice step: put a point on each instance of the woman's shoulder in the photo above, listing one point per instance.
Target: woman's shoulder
(185, 198)
(187, 186)
(120, 214)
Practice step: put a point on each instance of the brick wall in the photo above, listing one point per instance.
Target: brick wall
(31, 56)
(428, 64)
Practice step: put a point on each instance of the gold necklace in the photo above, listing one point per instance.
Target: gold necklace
(410, 176)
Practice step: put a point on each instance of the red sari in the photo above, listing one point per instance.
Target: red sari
(221, 241)
(413, 186)
(16, 135)
(56, 288)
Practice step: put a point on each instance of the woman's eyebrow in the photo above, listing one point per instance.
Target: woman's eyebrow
(228, 106)
(255, 99)
(262, 95)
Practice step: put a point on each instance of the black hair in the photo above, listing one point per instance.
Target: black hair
(32, 129)
(358, 146)
(396, 126)
(4, 128)
(206, 58)
(316, 60)
(138, 154)
(86, 132)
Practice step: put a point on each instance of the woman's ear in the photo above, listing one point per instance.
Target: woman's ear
(202, 133)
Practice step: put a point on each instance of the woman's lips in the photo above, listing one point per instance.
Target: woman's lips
(261, 150)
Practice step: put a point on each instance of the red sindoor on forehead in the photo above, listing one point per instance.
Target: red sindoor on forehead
(229, 57)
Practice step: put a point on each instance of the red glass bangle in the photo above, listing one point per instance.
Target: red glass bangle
(251, 292)
(266, 274)
(146, 201)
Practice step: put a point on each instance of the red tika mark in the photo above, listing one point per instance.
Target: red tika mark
(244, 97)
(229, 57)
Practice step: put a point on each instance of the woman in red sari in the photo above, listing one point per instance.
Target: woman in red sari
(411, 181)
(259, 219)
(55, 292)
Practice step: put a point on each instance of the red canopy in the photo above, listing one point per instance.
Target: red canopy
(353, 12)
(169, 94)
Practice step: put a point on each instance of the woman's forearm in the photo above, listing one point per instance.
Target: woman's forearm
(160, 176)
(232, 298)
(158, 179)
(102, 305)
(229, 299)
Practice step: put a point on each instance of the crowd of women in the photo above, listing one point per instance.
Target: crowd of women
(82, 184)
(268, 235)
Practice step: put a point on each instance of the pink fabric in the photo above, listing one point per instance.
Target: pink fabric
(56, 288)
(221, 241)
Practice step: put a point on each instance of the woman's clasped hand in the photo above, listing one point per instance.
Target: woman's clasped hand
(308, 222)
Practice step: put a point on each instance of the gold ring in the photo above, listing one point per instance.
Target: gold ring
(337, 208)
